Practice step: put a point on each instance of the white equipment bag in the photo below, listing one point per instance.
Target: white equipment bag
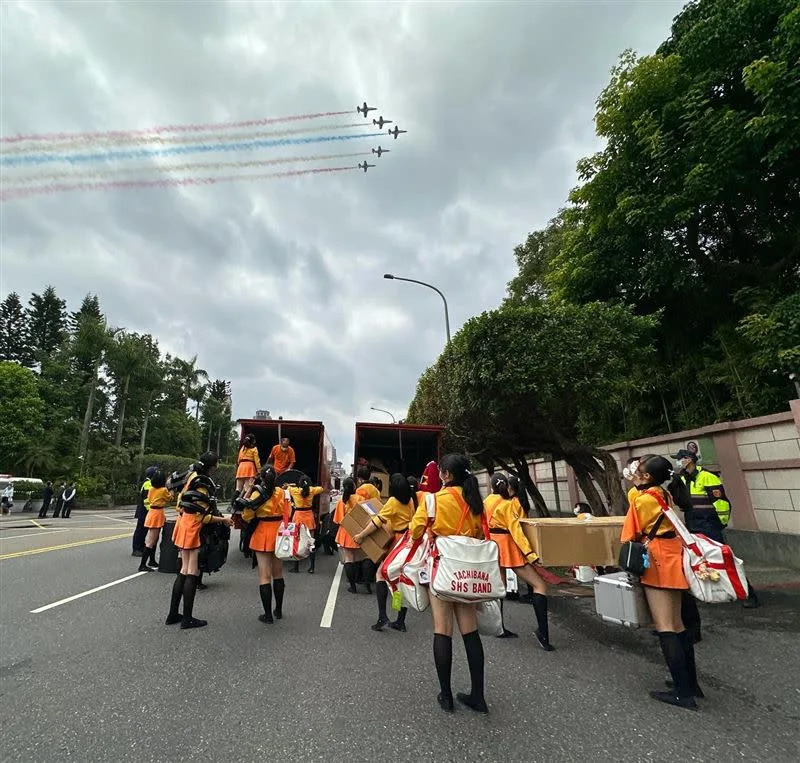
(490, 618)
(463, 569)
(403, 568)
(294, 541)
(714, 574)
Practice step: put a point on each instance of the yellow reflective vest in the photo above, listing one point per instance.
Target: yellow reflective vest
(708, 493)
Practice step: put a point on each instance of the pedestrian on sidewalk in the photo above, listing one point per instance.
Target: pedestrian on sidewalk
(69, 500)
(47, 497)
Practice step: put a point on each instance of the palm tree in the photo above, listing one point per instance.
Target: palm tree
(197, 395)
(189, 374)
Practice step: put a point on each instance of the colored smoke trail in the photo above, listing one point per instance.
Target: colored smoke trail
(110, 172)
(73, 143)
(23, 192)
(197, 127)
(141, 153)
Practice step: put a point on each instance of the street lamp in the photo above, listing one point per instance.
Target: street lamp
(391, 277)
(383, 410)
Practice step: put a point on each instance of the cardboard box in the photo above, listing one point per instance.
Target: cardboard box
(375, 546)
(568, 542)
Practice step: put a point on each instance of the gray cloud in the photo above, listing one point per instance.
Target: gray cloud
(277, 285)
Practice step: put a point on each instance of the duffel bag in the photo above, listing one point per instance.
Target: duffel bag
(405, 568)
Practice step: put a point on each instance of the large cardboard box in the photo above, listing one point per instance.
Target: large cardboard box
(568, 542)
(375, 546)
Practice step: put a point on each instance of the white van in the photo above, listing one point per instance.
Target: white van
(7, 483)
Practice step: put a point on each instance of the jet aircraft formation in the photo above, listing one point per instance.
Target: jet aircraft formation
(379, 123)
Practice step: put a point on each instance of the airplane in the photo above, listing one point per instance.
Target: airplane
(380, 121)
(396, 132)
(364, 166)
(364, 109)
(380, 151)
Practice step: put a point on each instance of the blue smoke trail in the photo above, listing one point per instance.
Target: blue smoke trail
(144, 153)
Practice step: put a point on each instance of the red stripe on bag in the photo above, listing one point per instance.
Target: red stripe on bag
(733, 573)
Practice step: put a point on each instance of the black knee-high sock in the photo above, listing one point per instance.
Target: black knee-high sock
(278, 587)
(382, 593)
(540, 608)
(690, 615)
(401, 615)
(474, 649)
(189, 589)
(443, 659)
(265, 591)
(350, 572)
(312, 558)
(177, 592)
(687, 641)
(672, 646)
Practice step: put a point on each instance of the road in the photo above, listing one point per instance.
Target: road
(101, 678)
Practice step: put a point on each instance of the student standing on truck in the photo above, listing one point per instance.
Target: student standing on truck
(249, 465)
(282, 457)
(460, 489)
(265, 509)
(302, 496)
(350, 549)
(394, 516)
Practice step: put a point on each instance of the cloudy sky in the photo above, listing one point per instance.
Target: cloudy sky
(277, 285)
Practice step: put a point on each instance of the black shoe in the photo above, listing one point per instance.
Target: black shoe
(687, 703)
(201, 586)
(396, 626)
(310, 570)
(698, 692)
(172, 619)
(278, 614)
(507, 634)
(192, 622)
(265, 618)
(380, 625)
(352, 588)
(369, 589)
(446, 703)
(143, 567)
(153, 564)
(751, 602)
(478, 705)
(135, 553)
(546, 645)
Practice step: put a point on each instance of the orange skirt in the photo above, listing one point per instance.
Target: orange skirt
(344, 539)
(186, 535)
(265, 535)
(305, 517)
(246, 470)
(666, 564)
(155, 518)
(510, 555)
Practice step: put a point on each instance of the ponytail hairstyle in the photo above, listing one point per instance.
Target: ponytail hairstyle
(399, 488)
(305, 485)
(458, 466)
(348, 489)
(158, 479)
(520, 493)
(660, 471)
(249, 441)
(413, 483)
(268, 478)
(500, 485)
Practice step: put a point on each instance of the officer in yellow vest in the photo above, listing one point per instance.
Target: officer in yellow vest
(142, 507)
(711, 509)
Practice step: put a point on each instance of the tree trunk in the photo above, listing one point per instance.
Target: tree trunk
(608, 477)
(522, 472)
(589, 490)
(87, 418)
(122, 403)
(145, 421)
(219, 438)
(208, 442)
(197, 412)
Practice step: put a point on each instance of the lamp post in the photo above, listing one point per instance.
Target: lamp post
(391, 277)
(383, 410)
(399, 431)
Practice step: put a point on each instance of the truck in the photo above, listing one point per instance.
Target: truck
(311, 445)
(390, 448)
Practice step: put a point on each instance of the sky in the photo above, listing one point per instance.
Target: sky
(277, 285)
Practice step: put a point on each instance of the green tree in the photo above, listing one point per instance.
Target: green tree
(20, 414)
(174, 432)
(14, 331)
(47, 323)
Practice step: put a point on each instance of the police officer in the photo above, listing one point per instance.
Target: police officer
(711, 509)
(142, 505)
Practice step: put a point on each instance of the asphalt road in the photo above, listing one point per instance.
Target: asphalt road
(101, 678)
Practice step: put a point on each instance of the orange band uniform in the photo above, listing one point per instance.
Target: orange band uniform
(186, 535)
(303, 513)
(448, 521)
(505, 530)
(394, 515)
(249, 464)
(268, 515)
(368, 492)
(343, 538)
(666, 554)
(281, 459)
(159, 497)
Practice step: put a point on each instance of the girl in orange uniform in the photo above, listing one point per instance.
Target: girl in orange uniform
(194, 503)
(395, 516)
(249, 465)
(516, 554)
(461, 492)
(158, 497)
(343, 538)
(366, 490)
(664, 581)
(303, 513)
(498, 495)
(265, 506)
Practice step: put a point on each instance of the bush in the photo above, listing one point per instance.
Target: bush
(27, 491)
(92, 486)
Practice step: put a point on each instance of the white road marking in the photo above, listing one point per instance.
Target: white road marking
(30, 535)
(85, 593)
(330, 605)
(114, 519)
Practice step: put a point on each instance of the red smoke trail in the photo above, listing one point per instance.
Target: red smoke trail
(199, 127)
(18, 192)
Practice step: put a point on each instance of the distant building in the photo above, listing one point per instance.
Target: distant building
(263, 415)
